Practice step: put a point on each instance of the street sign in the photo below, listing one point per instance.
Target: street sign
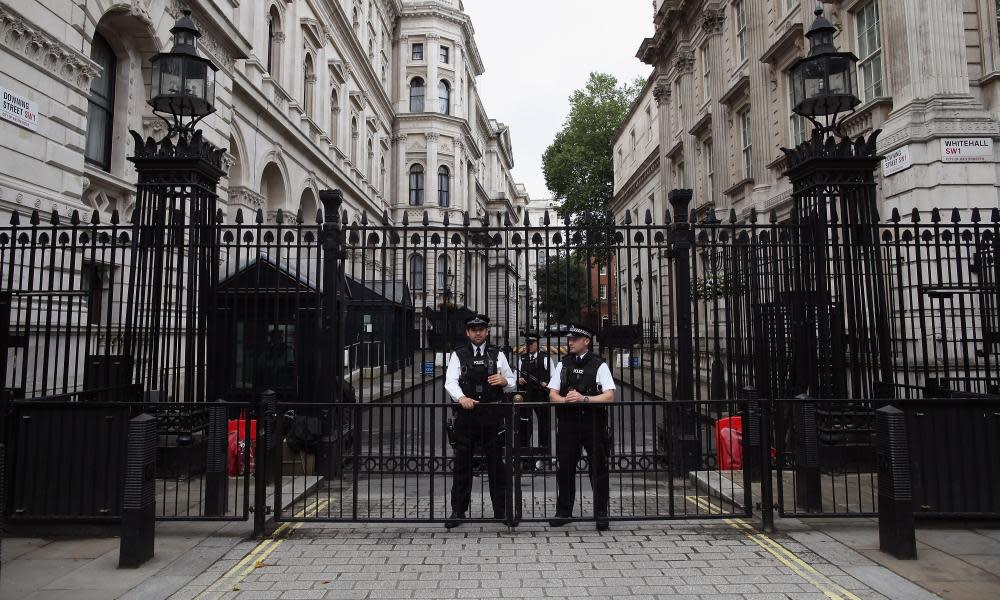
(966, 149)
(429, 368)
(634, 361)
(18, 110)
(896, 161)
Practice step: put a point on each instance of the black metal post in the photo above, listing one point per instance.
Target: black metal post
(685, 452)
(808, 493)
(332, 314)
(896, 532)
(751, 436)
(766, 481)
(260, 508)
(216, 477)
(139, 499)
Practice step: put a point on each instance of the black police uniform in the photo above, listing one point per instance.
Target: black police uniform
(483, 426)
(538, 369)
(581, 427)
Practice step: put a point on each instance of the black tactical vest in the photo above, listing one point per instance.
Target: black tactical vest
(580, 374)
(537, 368)
(475, 371)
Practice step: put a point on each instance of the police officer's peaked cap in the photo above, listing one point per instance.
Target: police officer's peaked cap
(530, 336)
(576, 331)
(477, 321)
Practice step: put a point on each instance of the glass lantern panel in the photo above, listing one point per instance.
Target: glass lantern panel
(210, 86)
(194, 79)
(156, 79)
(170, 75)
(839, 69)
(185, 37)
(814, 78)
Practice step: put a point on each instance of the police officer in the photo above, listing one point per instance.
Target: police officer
(477, 377)
(581, 380)
(534, 373)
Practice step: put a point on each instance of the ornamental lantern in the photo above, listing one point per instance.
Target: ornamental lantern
(823, 83)
(183, 81)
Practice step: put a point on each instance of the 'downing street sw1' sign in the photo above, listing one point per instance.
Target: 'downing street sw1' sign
(18, 110)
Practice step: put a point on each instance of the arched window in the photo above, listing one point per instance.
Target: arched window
(334, 117)
(308, 85)
(100, 105)
(416, 272)
(442, 272)
(416, 185)
(417, 95)
(444, 190)
(444, 98)
(274, 38)
(354, 140)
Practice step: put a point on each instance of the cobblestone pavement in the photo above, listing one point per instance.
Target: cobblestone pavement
(717, 560)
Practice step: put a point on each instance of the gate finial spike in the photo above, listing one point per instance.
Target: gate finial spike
(35, 218)
(259, 218)
(506, 219)
(915, 215)
(406, 219)
(753, 214)
(774, 216)
(935, 215)
(319, 216)
(74, 217)
(364, 217)
(299, 216)
(567, 218)
(994, 215)
(219, 216)
(15, 218)
(628, 217)
(95, 217)
(667, 219)
(426, 220)
(649, 217)
(894, 217)
(446, 219)
(239, 216)
(54, 219)
(385, 217)
(486, 219)
(527, 219)
(976, 217)
(116, 218)
(732, 216)
(465, 218)
(344, 217)
(279, 217)
(955, 216)
(545, 219)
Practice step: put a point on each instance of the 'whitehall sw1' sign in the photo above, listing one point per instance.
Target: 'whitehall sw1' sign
(966, 150)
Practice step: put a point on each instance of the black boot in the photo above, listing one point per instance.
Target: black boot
(560, 519)
(454, 520)
(602, 521)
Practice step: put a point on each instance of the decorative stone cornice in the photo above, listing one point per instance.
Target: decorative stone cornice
(713, 20)
(246, 197)
(684, 61)
(33, 43)
(396, 139)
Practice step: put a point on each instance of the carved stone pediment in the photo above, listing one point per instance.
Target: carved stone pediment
(312, 32)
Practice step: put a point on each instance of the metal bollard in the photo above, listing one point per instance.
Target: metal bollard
(139, 499)
(808, 493)
(896, 532)
(216, 477)
(751, 436)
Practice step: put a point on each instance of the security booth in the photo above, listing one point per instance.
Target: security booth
(378, 332)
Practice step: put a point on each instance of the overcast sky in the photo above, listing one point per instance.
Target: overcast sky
(536, 52)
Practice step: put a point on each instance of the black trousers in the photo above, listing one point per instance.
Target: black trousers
(481, 427)
(543, 416)
(582, 431)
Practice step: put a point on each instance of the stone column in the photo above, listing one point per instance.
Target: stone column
(402, 171)
(430, 175)
(924, 49)
(713, 22)
(431, 58)
(456, 191)
(661, 92)
(757, 12)
(684, 64)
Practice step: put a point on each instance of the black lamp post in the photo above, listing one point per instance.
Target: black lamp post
(183, 80)
(824, 82)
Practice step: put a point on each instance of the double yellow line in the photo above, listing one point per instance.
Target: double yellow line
(256, 557)
(785, 556)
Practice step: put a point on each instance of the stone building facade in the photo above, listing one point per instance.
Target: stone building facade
(717, 108)
(377, 98)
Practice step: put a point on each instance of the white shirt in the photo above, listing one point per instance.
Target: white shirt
(531, 358)
(455, 371)
(604, 378)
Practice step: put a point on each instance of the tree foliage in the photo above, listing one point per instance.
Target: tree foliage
(562, 288)
(578, 165)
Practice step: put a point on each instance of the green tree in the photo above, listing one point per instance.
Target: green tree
(578, 165)
(562, 289)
